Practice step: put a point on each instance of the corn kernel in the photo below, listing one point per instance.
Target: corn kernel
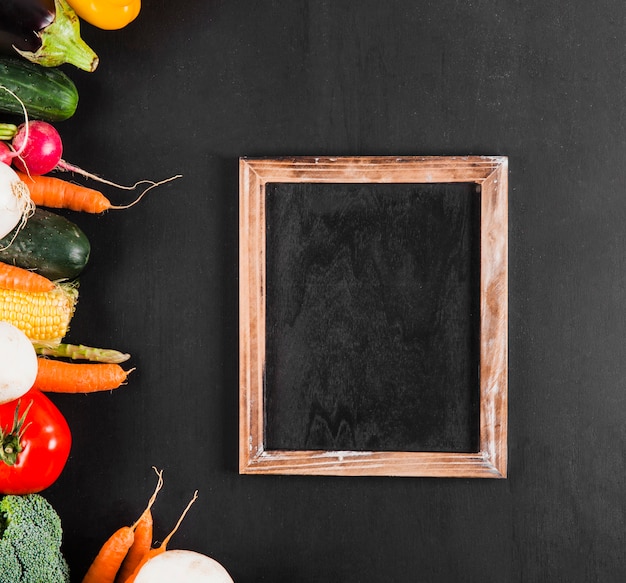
(42, 316)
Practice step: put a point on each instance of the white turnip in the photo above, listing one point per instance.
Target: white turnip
(18, 363)
(15, 203)
(182, 565)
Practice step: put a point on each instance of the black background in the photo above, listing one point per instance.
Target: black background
(191, 86)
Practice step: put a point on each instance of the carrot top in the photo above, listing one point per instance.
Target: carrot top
(163, 546)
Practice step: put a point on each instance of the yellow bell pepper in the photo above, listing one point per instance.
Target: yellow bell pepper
(107, 14)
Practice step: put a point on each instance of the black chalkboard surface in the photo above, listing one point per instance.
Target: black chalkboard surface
(372, 317)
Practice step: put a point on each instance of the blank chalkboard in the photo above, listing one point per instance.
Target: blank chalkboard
(373, 316)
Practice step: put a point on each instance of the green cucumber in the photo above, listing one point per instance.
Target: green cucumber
(47, 92)
(48, 244)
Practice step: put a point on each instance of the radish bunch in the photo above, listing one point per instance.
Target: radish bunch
(37, 149)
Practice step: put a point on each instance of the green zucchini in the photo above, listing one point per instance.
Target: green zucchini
(47, 92)
(48, 244)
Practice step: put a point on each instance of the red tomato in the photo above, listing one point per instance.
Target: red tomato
(43, 435)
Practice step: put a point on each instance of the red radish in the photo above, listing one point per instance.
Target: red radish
(40, 145)
(6, 155)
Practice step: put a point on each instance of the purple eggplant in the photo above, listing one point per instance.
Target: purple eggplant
(10, 41)
(26, 15)
(46, 32)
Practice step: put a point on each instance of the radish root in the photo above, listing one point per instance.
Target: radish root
(64, 166)
(22, 195)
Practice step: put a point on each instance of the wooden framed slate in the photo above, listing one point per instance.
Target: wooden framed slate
(373, 316)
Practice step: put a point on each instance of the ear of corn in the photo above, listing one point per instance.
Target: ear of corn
(42, 316)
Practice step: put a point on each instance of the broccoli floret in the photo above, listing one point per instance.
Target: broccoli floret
(30, 541)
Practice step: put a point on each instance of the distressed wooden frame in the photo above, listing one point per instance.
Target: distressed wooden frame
(491, 174)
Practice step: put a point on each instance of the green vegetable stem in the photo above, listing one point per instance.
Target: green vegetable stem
(61, 42)
(81, 352)
(7, 131)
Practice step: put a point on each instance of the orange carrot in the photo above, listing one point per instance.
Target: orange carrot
(108, 561)
(141, 545)
(52, 192)
(163, 546)
(17, 278)
(57, 376)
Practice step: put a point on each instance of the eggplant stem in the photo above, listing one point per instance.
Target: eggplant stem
(61, 42)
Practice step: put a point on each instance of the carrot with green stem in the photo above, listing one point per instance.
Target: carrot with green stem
(109, 559)
(18, 278)
(153, 552)
(57, 376)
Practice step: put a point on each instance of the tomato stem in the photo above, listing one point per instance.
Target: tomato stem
(11, 442)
